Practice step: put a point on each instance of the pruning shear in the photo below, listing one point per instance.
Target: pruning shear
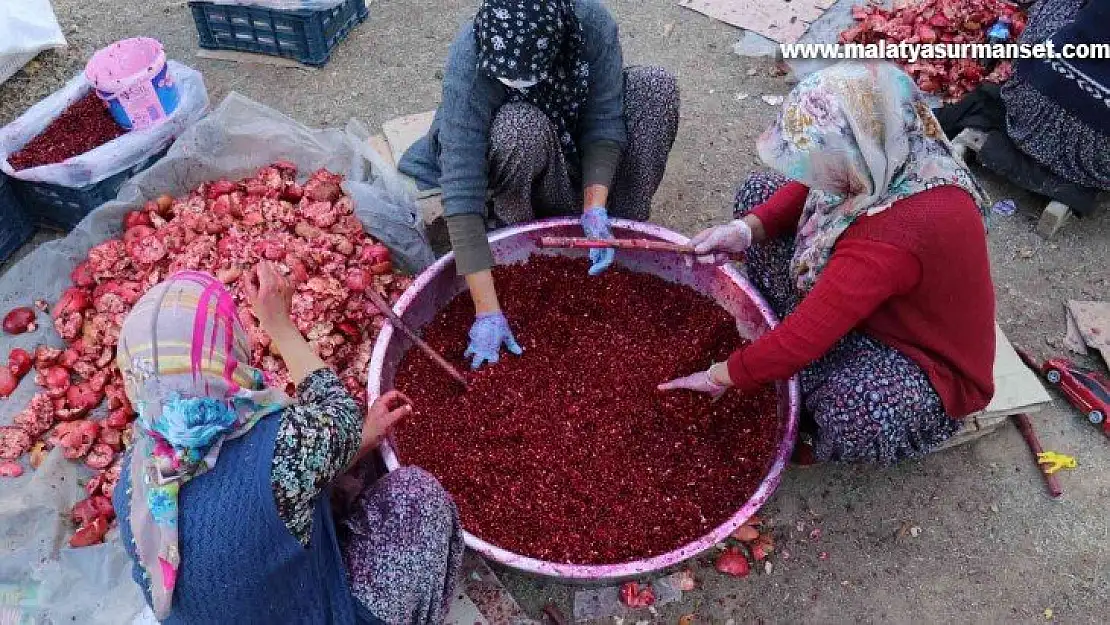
(1052, 462)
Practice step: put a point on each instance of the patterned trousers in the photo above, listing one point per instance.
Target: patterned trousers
(402, 545)
(531, 178)
(862, 401)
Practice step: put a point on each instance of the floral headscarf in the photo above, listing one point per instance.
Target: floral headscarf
(537, 40)
(183, 355)
(861, 137)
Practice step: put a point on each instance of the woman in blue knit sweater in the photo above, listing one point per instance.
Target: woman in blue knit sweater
(540, 118)
(223, 501)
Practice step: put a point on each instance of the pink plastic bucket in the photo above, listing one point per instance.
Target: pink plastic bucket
(439, 284)
(132, 77)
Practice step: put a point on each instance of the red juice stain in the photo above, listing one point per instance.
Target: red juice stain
(569, 453)
(85, 125)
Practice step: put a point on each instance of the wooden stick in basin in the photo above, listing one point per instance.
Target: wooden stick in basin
(403, 327)
(643, 245)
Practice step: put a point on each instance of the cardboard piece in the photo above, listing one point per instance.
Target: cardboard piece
(1017, 390)
(402, 132)
(784, 21)
(1092, 321)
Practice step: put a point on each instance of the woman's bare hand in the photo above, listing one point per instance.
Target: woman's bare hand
(384, 413)
(270, 295)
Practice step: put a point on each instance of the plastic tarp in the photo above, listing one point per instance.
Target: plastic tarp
(236, 139)
(125, 152)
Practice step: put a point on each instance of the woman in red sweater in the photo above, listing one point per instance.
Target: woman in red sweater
(874, 254)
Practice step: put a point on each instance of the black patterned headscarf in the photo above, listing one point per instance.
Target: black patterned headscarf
(541, 41)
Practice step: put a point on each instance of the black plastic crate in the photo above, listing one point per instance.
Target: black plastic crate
(62, 208)
(303, 35)
(15, 227)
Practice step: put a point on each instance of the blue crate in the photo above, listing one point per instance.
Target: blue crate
(62, 208)
(15, 227)
(303, 35)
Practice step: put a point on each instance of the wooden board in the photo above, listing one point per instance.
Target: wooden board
(402, 132)
(784, 21)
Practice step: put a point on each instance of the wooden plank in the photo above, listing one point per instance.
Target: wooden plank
(402, 132)
(249, 57)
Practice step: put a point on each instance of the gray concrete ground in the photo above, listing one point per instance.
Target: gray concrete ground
(992, 547)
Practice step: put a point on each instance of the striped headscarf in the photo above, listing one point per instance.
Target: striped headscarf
(184, 359)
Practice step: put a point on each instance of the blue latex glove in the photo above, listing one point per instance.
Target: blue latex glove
(487, 334)
(595, 221)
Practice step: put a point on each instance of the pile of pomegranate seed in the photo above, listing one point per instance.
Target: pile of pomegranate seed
(85, 125)
(569, 453)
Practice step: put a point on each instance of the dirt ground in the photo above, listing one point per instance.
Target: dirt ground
(992, 547)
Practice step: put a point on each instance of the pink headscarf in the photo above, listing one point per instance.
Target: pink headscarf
(183, 355)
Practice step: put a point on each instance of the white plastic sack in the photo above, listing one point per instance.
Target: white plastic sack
(28, 27)
(285, 5)
(113, 157)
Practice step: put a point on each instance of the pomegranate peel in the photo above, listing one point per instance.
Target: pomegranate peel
(19, 320)
(10, 468)
(733, 562)
(635, 596)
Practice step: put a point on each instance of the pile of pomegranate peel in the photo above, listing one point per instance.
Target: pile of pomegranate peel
(751, 543)
(224, 228)
(938, 21)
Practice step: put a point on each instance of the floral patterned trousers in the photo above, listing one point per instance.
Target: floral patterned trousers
(862, 401)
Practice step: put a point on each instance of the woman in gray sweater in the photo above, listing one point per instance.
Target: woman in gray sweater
(540, 118)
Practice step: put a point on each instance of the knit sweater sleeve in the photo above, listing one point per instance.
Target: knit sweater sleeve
(470, 100)
(782, 211)
(603, 117)
(317, 440)
(860, 276)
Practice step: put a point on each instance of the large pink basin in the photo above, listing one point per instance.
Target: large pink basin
(436, 286)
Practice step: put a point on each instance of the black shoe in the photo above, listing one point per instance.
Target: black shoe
(1002, 156)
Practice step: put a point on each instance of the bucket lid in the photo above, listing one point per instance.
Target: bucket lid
(120, 65)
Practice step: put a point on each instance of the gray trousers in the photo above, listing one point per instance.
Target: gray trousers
(530, 177)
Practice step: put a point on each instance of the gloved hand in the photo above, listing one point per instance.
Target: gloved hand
(595, 222)
(487, 334)
(700, 382)
(714, 244)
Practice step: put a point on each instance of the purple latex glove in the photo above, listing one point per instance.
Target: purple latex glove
(595, 223)
(489, 332)
(700, 382)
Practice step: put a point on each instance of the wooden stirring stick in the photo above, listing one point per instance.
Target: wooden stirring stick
(643, 245)
(403, 327)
